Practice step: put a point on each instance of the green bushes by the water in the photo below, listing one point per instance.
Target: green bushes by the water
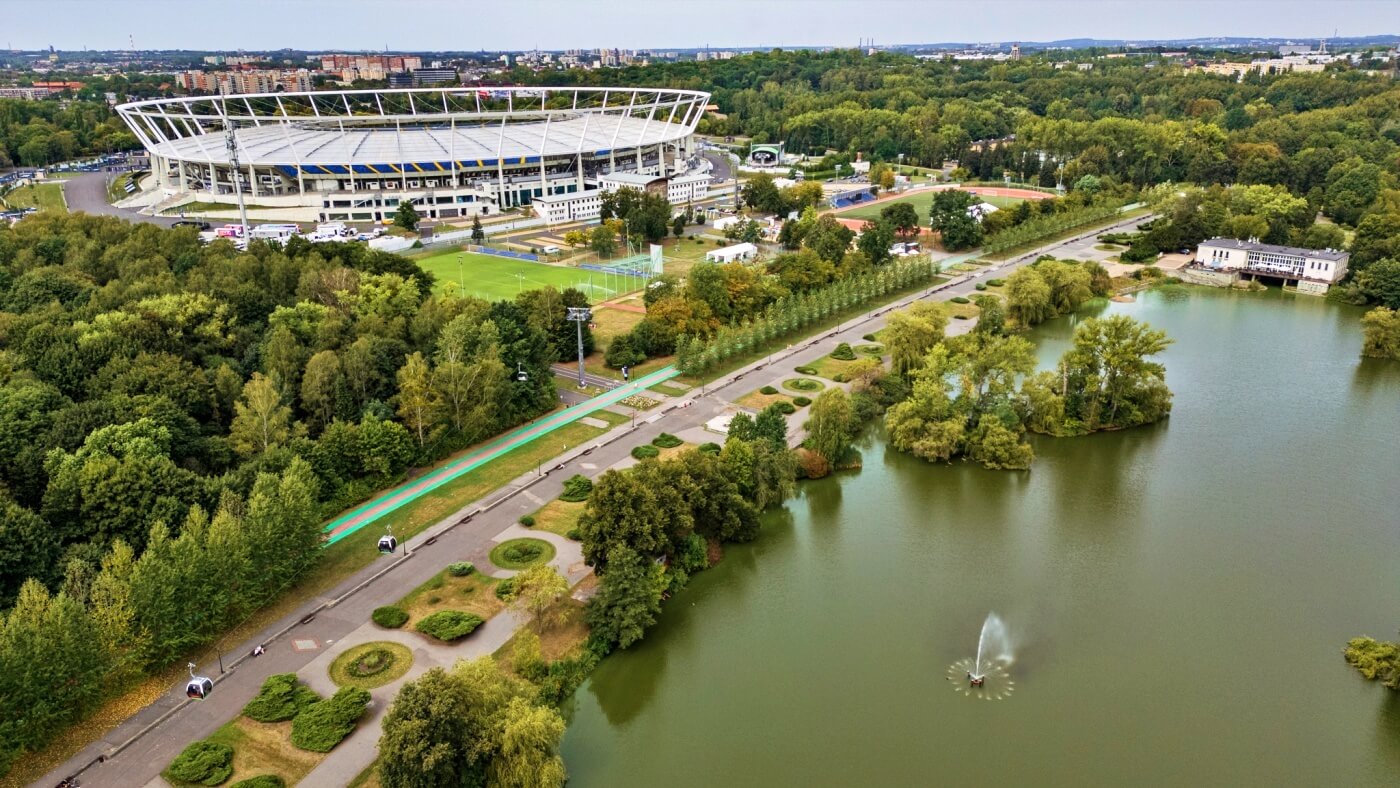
(281, 698)
(325, 724)
(202, 763)
(1375, 659)
(389, 617)
(450, 625)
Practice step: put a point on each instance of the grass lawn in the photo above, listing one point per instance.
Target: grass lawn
(265, 748)
(500, 557)
(44, 196)
(828, 367)
(558, 517)
(340, 668)
(474, 593)
(670, 389)
(609, 323)
(501, 278)
(205, 207)
(562, 639)
(595, 365)
(757, 400)
(571, 384)
(922, 201)
(963, 311)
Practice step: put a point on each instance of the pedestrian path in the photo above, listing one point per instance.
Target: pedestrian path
(367, 513)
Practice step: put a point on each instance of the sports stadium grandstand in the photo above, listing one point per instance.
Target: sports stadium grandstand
(355, 155)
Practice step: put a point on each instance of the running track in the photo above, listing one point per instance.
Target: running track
(367, 513)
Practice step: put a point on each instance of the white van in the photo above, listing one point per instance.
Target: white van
(550, 250)
(274, 232)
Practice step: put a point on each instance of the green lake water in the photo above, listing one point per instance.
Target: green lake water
(1178, 595)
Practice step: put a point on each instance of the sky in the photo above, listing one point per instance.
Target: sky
(470, 25)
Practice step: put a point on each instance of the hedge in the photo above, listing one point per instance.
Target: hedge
(261, 781)
(768, 390)
(574, 534)
(786, 408)
(666, 441)
(324, 725)
(805, 370)
(710, 448)
(980, 286)
(281, 698)
(527, 520)
(801, 402)
(843, 352)
(506, 588)
(577, 488)
(389, 617)
(644, 451)
(461, 568)
(869, 338)
(449, 625)
(960, 300)
(202, 763)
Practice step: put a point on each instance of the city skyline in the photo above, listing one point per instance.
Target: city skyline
(682, 24)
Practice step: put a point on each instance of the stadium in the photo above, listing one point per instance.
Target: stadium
(355, 155)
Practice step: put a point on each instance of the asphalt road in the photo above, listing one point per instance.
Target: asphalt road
(172, 722)
(88, 193)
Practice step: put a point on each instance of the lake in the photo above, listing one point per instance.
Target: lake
(1177, 596)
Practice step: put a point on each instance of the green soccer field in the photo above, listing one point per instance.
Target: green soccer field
(501, 278)
(921, 202)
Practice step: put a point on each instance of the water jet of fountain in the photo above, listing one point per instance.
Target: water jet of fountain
(993, 643)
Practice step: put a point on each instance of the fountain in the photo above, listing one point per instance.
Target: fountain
(985, 675)
(994, 644)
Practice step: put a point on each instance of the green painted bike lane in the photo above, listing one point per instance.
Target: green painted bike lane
(368, 512)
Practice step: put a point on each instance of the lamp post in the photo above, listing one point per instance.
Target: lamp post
(579, 315)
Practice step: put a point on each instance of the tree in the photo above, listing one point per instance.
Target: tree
(875, 240)
(539, 588)
(576, 238)
(831, 425)
(1380, 330)
(1379, 282)
(428, 742)
(420, 405)
(406, 216)
(628, 599)
(478, 234)
(759, 192)
(603, 241)
(1108, 380)
(1028, 297)
(260, 420)
(903, 217)
(960, 232)
(829, 238)
(678, 226)
(321, 386)
(911, 333)
(528, 754)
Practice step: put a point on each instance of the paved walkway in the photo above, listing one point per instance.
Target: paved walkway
(135, 751)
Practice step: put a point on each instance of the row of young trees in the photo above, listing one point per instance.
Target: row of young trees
(66, 651)
(791, 313)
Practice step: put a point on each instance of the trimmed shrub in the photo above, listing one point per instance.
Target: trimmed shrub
(261, 781)
(506, 588)
(995, 282)
(576, 488)
(980, 286)
(524, 552)
(324, 725)
(960, 317)
(644, 451)
(574, 534)
(769, 389)
(666, 441)
(527, 520)
(460, 568)
(843, 352)
(281, 698)
(803, 384)
(389, 617)
(786, 408)
(450, 625)
(801, 402)
(870, 350)
(870, 338)
(960, 300)
(710, 448)
(202, 763)
(371, 663)
(805, 370)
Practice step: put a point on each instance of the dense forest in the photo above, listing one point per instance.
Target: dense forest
(36, 133)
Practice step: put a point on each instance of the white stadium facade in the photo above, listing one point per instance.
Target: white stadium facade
(355, 155)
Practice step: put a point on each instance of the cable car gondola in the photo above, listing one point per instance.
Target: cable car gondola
(388, 544)
(198, 687)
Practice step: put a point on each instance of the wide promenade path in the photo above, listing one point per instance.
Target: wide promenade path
(133, 753)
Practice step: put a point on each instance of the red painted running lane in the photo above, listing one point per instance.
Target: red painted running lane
(1002, 191)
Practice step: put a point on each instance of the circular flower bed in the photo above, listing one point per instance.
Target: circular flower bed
(371, 665)
(803, 384)
(521, 553)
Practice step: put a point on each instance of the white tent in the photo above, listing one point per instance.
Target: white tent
(729, 254)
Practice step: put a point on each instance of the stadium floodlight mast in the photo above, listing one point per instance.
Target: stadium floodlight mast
(231, 142)
(580, 315)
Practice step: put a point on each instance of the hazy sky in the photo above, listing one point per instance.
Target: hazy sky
(630, 24)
